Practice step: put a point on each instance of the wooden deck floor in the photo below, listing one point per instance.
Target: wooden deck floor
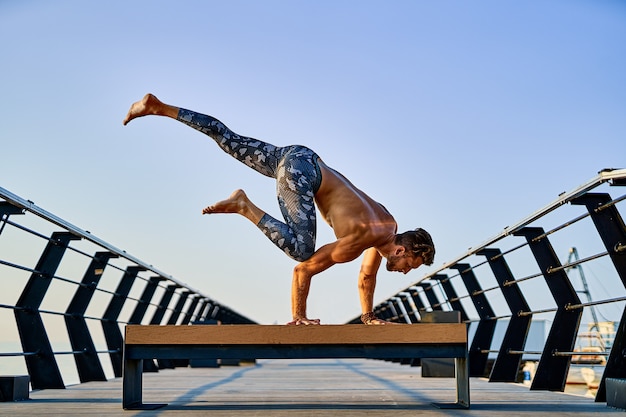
(303, 388)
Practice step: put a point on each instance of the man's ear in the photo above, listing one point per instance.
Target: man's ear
(399, 251)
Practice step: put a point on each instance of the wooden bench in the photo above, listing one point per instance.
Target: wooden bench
(437, 340)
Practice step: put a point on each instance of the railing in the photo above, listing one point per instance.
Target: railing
(73, 300)
(74, 292)
(524, 278)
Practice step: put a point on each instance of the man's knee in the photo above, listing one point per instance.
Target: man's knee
(301, 253)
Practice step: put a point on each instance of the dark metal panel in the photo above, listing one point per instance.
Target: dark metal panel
(111, 328)
(42, 368)
(414, 318)
(435, 304)
(610, 226)
(506, 366)
(179, 307)
(144, 300)
(616, 362)
(159, 313)
(396, 316)
(157, 318)
(140, 311)
(486, 326)
(204, 309)
(404, 298)
(453, 298)
(87, 362)
(552, 370)
(419, 304)
(192, 308)
(7, 209)
(383, 311)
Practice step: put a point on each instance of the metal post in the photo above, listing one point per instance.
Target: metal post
(173, 320)
(6, 210)
(42, 367)
(179, 307)
(431, 296)
(415, 296)
(393, 313)
(215, 312)
(87, 362)
(203, 310)
(140, 311)
(111, 328)
(486, 326)
(144, 300)
(192, 308)
(610, 226)
(157, 318)
(506, 366)
(165, 301)
(552, 370)
(382, 311)
(404, 298)
(453, 298)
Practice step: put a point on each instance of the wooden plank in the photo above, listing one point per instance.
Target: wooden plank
(431, 333)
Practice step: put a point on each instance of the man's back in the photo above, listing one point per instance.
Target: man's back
(352, 213)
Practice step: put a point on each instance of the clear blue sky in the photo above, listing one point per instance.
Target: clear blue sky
(460, 117)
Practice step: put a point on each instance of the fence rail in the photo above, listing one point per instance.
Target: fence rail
(506, 270)
(58, 304)
(510, 282)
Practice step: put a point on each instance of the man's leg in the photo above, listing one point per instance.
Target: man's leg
(294, 168)
(298, 178)
(261, 156)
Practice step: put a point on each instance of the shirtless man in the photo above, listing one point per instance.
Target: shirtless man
(303, 180)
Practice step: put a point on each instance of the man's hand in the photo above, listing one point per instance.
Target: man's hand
(371, 319)
(304, 322)
(379, 322)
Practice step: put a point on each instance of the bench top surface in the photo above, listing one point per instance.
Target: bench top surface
(245, 334)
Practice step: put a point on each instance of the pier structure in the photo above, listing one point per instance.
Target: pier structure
(80, 290)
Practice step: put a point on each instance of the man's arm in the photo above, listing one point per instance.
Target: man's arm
(367, 282)
(301, 282)
(367, 279)
(342, 250)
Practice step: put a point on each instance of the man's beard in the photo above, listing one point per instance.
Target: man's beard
(392, 262)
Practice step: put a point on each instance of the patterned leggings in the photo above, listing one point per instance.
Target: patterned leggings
(297, 175)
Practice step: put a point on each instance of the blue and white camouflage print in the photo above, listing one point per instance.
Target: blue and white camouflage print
(297, 175)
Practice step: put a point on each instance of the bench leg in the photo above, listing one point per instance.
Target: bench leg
(132, 384)
(462, 386)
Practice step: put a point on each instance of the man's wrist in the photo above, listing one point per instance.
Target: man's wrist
(367, 318)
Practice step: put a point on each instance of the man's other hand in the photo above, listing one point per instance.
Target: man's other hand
(304, 322)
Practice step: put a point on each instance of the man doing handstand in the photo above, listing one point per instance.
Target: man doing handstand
(303, 181)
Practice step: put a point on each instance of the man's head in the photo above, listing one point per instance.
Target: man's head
(415, 248)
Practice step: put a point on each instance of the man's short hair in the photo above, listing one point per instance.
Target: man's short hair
(419, 243)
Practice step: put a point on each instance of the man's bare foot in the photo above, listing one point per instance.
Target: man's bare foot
(239, 203)
(236, 203)
(149, 104)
